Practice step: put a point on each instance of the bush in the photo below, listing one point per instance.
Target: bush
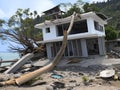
(111, 33)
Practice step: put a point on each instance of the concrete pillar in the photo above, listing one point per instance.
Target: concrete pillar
(101, 45)
(84, 48)
(90, 25)
(48, 48)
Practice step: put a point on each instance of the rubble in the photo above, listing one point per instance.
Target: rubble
(39, 82)
(19, 63)
(70, 81)
(58, 85)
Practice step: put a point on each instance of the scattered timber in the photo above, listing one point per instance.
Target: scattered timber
(8, 61)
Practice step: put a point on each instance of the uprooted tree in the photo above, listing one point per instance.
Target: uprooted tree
(26, 77)
(20, 29)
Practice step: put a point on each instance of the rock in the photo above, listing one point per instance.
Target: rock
(27, 66)
(7, 67)
(70, 88)
(72, 81)
(116, 77)
(118, 73)
(91, 80)
(81, 74)
(17, 75)
(1, 79)
(58, 85)
(4, 77)
(55, 72)
(48, 87)
(25, 70)
(2, 70)
(77, 84)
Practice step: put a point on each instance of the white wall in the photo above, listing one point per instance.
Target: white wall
(48, 47)
(91, 30)
(102, 23)
(51, 35)
(90, 25)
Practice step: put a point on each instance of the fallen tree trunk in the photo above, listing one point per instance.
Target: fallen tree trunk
(34, 74)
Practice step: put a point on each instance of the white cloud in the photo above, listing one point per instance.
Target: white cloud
(2, 14)
(41, 6)
(11, 7)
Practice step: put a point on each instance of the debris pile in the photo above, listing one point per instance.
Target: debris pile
(67, 78)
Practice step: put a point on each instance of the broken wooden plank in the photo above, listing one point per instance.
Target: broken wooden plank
(8, 61)
(19, 63)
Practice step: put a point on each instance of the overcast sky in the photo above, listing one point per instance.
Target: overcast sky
(9, 7)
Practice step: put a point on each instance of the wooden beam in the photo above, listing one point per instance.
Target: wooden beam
(8, 61)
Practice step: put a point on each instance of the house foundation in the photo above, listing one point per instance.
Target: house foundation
(78, 47)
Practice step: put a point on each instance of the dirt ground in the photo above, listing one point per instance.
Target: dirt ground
(74, 77)
(72, 81)
(78, 88)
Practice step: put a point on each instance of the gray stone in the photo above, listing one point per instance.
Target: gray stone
(48, 87)
(2, 69)
(27, 66)
(57, 85)
(17, 75)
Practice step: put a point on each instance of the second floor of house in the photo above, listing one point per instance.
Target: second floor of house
(87, 24)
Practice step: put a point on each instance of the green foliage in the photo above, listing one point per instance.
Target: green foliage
(23, 21)
(44, 17)
(21, 29)
(90, 7)
(111, 34)
(1, 23)
(85, 80)
(74, 8)
(111, 8)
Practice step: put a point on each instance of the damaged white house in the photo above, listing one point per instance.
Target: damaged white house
(86, 37)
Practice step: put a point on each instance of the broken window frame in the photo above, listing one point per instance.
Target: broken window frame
(47, 30)
(82, 29)
(98, 27)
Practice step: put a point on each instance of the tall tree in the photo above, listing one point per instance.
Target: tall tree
(111, 8)
(76, 7)
(1, 24)
(90, 7)
(66, 6)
